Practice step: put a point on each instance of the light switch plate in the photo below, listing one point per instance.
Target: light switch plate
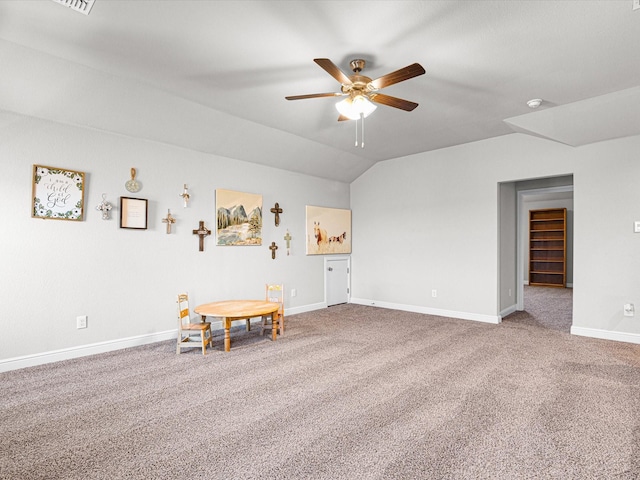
(636, 227)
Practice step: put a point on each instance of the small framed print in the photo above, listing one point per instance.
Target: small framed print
(133, 213)
(57, 193)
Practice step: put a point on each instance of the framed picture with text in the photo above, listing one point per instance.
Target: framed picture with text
(133, 213)
(57, 193)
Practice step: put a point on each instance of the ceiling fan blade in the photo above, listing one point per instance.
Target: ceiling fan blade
(342, 118)
(314, 95)
(393, 101)
(333, 70)
(401, 75)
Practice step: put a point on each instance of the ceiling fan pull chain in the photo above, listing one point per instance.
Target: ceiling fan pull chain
(356, 133)
(362, 118)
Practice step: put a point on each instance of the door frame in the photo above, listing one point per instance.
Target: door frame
(326, 265)
(519, 240)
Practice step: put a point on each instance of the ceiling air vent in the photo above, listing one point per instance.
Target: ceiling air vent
(82, 6)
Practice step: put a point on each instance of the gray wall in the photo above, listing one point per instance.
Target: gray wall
(421, 223)
(430, 221)
(126, 281)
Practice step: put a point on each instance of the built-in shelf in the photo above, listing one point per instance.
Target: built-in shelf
(548, 247)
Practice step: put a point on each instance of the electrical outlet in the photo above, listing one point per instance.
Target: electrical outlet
(434, 293)
(81, 321)
(629, 310)
(293, 292)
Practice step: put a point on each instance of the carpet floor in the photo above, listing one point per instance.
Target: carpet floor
(350, 392)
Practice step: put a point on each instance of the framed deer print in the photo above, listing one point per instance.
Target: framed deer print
(57, 193)
(328, 230)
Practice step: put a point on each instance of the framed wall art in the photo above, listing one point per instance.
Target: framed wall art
(239, 218)
(57, 193)
(133, 213)
(328, 230)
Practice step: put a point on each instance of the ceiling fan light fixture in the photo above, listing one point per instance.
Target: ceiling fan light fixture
(356, 107)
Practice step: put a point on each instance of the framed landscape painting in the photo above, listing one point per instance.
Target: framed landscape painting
(328, 230)
(57, 193)
(239, 218)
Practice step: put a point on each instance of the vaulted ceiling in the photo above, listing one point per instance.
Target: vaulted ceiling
(212, 75)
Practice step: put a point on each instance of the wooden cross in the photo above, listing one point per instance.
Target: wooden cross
(287, 239)
(202, 231)
(169, 221)
(277, 211)
(273, 249)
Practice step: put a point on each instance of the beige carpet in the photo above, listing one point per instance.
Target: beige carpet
(350, 392)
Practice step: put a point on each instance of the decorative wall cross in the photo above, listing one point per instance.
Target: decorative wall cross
(287, 238)
(105, 207)
(169, 220)
(202, 232)
(277, 211)
(273, 249)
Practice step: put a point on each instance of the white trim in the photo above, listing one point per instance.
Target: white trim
(478, 317)
(606, 334)
(33, 360)
(508, 311)
(306, 308)
(84, 350)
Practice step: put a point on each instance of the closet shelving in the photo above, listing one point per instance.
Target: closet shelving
(548, 247)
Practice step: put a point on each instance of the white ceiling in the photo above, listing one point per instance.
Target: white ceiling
(212, 75)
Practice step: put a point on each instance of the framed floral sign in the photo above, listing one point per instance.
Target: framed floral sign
(57, 193)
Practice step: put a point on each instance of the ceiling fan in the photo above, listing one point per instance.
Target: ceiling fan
(361, 90)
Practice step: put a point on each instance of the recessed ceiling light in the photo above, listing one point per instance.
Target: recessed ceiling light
(535, 103)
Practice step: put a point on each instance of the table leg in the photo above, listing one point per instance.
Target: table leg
(274, 326)
(227, 334)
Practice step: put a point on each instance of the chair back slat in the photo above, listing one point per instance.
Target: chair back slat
(183, 309)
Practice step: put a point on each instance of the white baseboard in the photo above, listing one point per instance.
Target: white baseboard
(606, 334)
(84, 350)
(508, 311)
(108, 346)
(430, 311)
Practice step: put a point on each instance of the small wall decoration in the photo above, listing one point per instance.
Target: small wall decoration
(133, 185)
(287, 238)
(185, 195)
(104, 207)
(273, 249)
(276, 210)
(239, 218)
(328, 230)
(169, 220)
(57, 193)
(133, 213)
(202, 232)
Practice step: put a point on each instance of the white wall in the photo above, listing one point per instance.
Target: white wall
(429, 221)
(126, 280)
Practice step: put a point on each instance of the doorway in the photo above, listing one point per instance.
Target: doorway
(515, 201)
(337, 280)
